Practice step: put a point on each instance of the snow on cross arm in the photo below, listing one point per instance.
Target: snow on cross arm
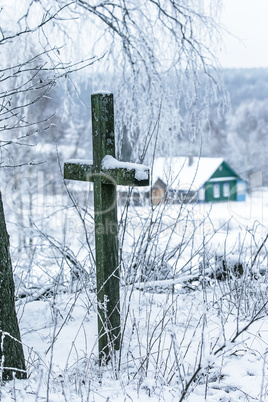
(141, 171)
(101, 92)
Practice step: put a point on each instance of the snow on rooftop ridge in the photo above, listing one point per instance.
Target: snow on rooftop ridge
(101, 92)
(141, 171)
(184, 172)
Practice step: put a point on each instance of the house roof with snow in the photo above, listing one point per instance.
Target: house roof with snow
(185, 173)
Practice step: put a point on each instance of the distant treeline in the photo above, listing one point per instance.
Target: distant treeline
(241, 134)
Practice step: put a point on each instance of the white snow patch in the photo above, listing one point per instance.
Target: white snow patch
(101, 92)
(141, 171)
(80, 161)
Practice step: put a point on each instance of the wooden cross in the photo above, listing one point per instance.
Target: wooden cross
(106, 172)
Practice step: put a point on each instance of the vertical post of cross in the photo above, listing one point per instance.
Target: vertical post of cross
(106, 228)
(106, 172)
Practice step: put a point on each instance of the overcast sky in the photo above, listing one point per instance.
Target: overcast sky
(248, 20)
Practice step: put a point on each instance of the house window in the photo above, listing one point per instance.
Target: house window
(226, 189)
(241, 187)
(202, 194)
(216, 190)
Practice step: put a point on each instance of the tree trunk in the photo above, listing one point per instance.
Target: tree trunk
(11, 351)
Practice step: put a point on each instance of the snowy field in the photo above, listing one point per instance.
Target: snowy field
(186, 335)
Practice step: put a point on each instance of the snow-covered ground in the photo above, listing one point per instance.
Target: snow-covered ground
(182, 339)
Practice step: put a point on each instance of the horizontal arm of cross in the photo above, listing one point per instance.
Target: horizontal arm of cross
(119, 173)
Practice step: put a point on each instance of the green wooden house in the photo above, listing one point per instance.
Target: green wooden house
(196, 179)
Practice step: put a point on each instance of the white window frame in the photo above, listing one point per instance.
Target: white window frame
(216, 190)
(226, 189)
(202, 194)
